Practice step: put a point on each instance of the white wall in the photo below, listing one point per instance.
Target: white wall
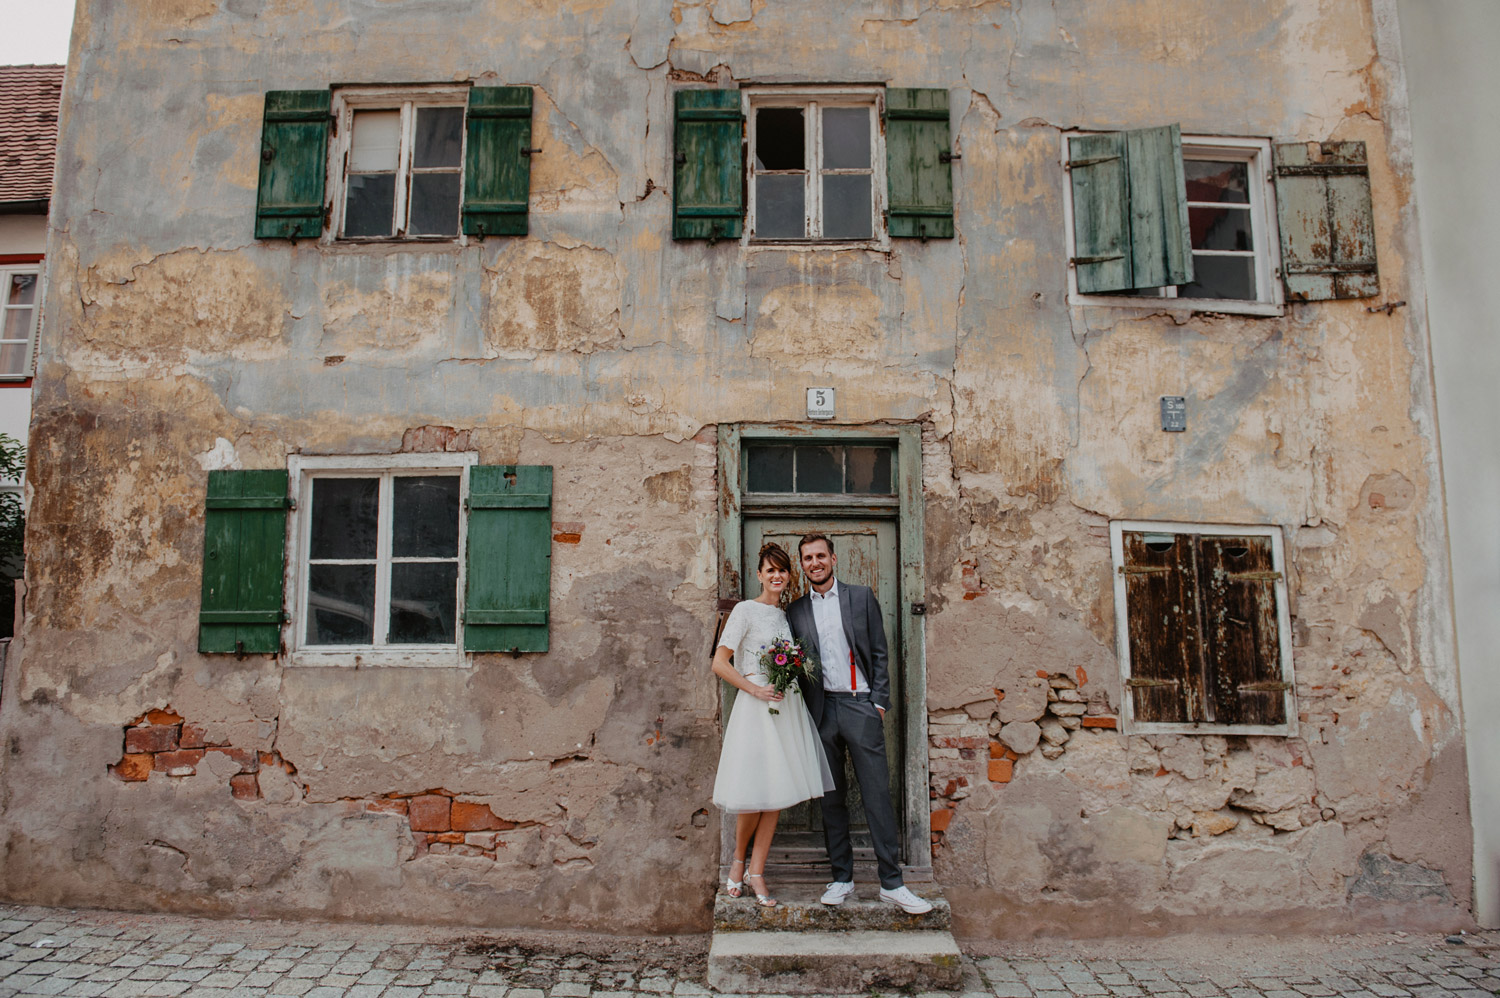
(1452, 79)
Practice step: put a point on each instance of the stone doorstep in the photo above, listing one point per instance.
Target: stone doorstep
(851, 962)
(798, 909)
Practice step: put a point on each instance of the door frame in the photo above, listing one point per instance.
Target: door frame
(911, 573)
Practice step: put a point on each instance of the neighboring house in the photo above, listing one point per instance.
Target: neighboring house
(29, 97)
(418, 384)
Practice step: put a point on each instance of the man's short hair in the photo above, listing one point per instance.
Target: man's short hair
(810, 538)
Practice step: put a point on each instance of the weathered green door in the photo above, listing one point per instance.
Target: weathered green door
(866, 550)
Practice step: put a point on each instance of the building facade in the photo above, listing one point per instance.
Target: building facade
(416, 383)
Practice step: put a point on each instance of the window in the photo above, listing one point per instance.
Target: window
(1203, 628)
(814, 166)
(402, 163)
(1152, 216)
(823, 468)
(21, 287)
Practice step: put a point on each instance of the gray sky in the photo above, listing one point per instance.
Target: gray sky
(35, 31)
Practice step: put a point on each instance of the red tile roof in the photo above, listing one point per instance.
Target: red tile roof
(29, 96)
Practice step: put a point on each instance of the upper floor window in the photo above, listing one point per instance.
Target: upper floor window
(20, 286)
(402, 166)
(816, 165)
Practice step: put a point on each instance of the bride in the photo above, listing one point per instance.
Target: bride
(769, 761)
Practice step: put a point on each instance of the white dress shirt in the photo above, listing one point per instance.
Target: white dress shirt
(840, 672)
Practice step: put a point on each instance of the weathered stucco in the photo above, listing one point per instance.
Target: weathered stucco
(176, 344)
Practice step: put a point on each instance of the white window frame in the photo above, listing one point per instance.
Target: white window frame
(6, 270)
(1129, 725)
(816, 98)
(303, 469)
(347, 100)
(1257, 153)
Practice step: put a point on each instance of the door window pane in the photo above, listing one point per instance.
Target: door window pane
(846, 206)
(846, 138)
(425, 516)
(434, 204)
(345, 513)
(439, 140)
(768, 469)
(868, 471)
(424, 603)
(820, 469)
(341, 604)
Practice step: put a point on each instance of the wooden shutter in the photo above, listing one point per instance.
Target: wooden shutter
(1241, 640)
(919, 164)
(509, 558)
(1130, 218)
(497, 161)
(1161, 599)
(293, 164)
(1327, 223)
(708, 176)
(244, 562)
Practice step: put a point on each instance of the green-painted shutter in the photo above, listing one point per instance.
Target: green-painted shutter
(1130, 218)
(510, 558)
(1327, 223)
(919, 167)
(244, 562)
(497, 161)
(708, 179)
(293, 164)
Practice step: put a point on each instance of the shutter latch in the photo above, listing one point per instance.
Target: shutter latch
(529, 152)
(947, 157)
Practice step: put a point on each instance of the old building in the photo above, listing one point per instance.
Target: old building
(415, 379)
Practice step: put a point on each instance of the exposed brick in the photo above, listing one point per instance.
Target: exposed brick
(386, 805)
(1000, 770)
(165, 762)
(567, 537)
(997, 751)
(245, 786)
(430, 813)
(1099, 722)
(999, 694)
(248, 759)
(133, 767)
(942, 819)
(467, 816)
(1082, 674)
(192, 736)
(959, 741)
(452, 838)
(151, 738)
(1043, 674)
(167, 716)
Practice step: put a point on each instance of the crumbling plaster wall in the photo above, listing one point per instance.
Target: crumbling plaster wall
(176, 344)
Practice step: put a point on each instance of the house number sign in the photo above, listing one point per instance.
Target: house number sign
(1173, 413)
(820, 403)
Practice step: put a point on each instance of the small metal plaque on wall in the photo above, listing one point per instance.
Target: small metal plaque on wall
(820, 403)
(1173, 413)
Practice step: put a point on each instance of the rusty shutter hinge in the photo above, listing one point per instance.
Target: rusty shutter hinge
(1139, 683)
(1144, 569)
(1269, 686)
(1253, 576)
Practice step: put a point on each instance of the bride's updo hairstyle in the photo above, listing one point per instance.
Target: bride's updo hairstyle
(776, 555)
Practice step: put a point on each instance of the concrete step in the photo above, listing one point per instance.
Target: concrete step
(849, 962)
(798, 909)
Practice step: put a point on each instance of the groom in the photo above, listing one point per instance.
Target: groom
(848, 704)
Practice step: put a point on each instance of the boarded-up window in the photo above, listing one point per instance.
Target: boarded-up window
(1203, 627)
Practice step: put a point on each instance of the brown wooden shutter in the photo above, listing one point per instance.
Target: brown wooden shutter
(1241, 640)
(1161, 599)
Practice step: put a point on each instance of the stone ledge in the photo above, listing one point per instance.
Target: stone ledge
(833, 962)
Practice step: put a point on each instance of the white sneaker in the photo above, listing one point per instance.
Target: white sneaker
(904, 899)
(838, 892)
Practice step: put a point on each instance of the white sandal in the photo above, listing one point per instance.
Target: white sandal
(734, 887)
(764, 900)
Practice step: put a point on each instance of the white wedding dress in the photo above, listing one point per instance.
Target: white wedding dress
(769, 761)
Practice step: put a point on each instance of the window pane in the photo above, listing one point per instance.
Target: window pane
(779, 211)
(440, 137)
(1210, 180)
(345, 514)
(1220, 228)
(846, 206)
(372, 202)
(820, 469)
(22, 289)
(424, 603)
(846, 138)
(434, 204)
(376, 142)
(768, 469)
(18, 323)
(868, 471)
(340, 604)
(14, 358)
(780, 139)
(1221, 277)
(425, 516)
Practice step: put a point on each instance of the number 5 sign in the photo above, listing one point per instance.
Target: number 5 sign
(820, 403)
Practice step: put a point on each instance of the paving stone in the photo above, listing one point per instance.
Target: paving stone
(1004, 989)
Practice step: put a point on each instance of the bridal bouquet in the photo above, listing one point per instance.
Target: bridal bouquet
(784, 662)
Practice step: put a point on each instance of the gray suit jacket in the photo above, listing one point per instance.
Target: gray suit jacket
(865, 632)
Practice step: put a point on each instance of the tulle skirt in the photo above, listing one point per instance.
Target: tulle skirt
(770, 761)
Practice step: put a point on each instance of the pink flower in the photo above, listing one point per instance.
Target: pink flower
(781, 660)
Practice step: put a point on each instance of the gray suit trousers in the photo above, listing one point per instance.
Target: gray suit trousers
(851, 727)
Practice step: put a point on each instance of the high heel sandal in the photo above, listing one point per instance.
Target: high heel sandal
(764, 900)
(734, 887)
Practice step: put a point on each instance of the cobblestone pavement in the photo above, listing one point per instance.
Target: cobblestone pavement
(52, 951)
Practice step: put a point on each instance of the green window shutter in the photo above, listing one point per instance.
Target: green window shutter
(510, 558)
(1327, 223)
(1241, 636)
(293, 164)
(708, 178)
(1130, 218)
(244, 562)
(919, 164)
(497, 161)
